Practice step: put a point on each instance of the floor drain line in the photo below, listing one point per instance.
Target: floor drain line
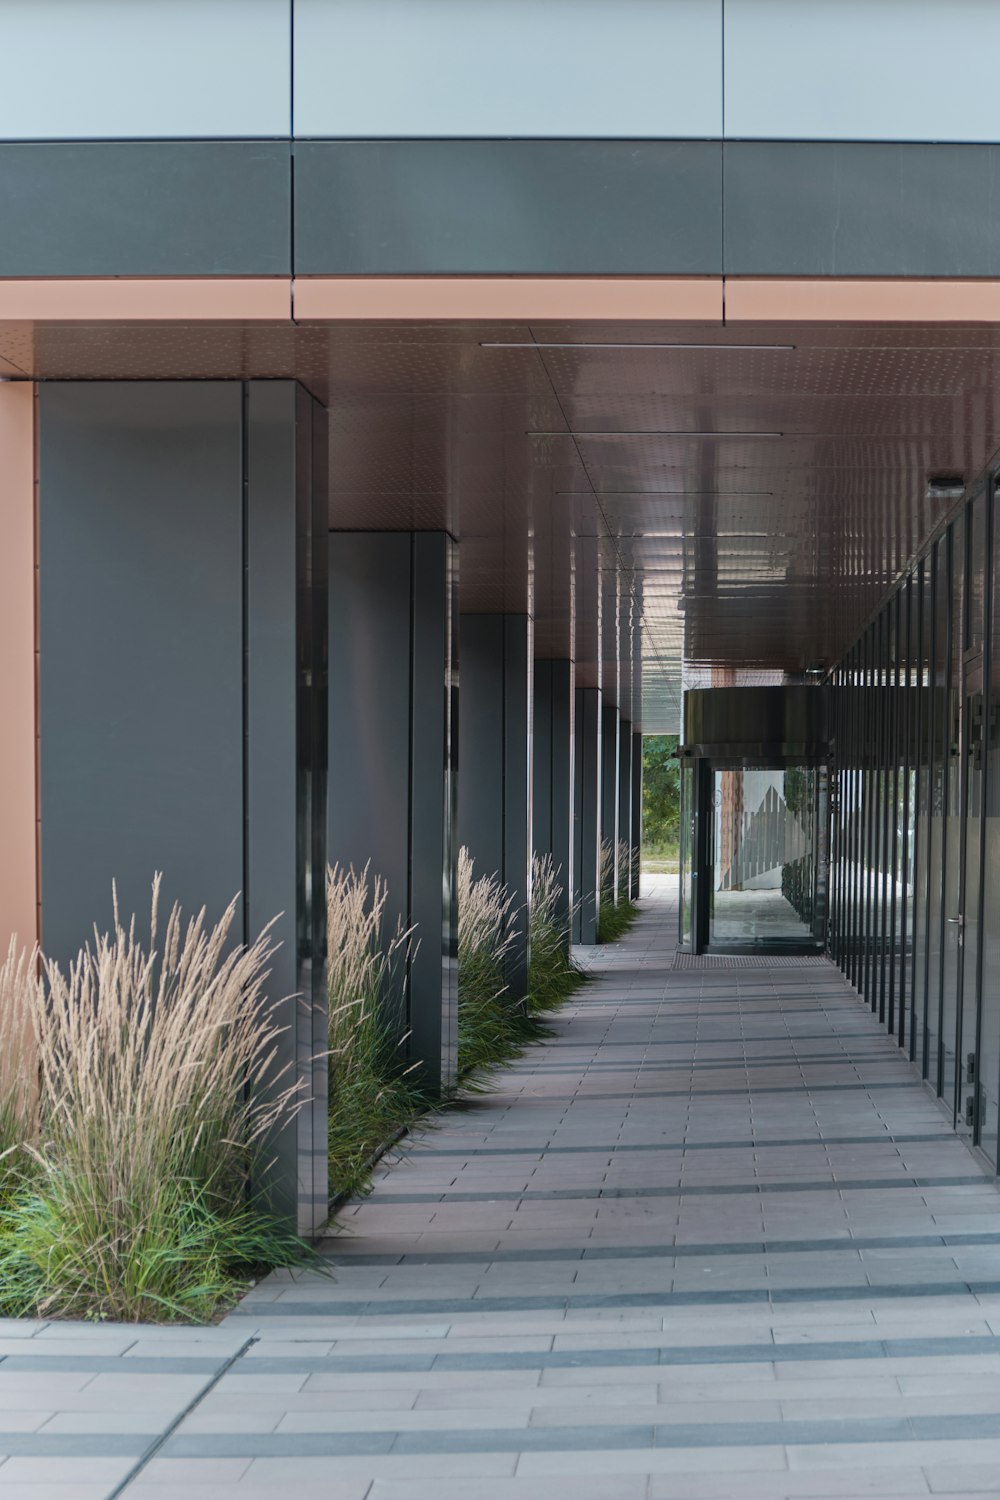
(146, 1457)
(746, 961)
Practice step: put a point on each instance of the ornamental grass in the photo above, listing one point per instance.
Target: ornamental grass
(373, 1097)
(18, 1068)
(493, 1028)
(552, 975)
(148, 1089)
(617, 911)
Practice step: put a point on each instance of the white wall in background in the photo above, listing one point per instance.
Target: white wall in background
(78, 69)
(405, 68)
(863, 70)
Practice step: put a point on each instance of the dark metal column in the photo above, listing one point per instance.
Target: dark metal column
(625, 807)
(552, 791)
(586, 813)
(636, 794)
(181, 533)
(393, 747)
(285, 706)
(610, 729)
(494, 802)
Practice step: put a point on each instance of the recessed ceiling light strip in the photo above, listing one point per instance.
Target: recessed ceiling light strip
(653, 432)
(561, 344)
(598, 492)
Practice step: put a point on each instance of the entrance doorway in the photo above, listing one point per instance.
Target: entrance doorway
(753, 821)
(762, 856)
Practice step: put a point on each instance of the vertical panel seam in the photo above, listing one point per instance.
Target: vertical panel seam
(291, 68)
(723, 263)
(245, 633)
(36, 630)
(409, 776)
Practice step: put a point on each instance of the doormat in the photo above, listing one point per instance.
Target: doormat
(747, 960)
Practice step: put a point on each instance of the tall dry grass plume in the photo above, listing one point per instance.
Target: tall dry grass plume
(372, 1096)
(18, 1062)
(491, 1028)
(158, 1085)
(552, 975)
(624, 868)
(617, 911)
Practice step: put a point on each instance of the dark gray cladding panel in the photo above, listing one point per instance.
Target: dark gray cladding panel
(482, 750)
(861, 209)
(141, 657)
(552, 788)
(369, 708)
(145, 208)
(609, 773)
(587, 813)
(636, 812)
(508, 207)
(391, 756)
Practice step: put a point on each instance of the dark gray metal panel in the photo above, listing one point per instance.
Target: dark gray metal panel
(433, 809)
(271, 721)
(861, 209)
(778, 722)
(368, 805)
(141, 650)
(636, 813)
(541, 751)
(145, 208)
(609, 790)
(286, 767)
(313, 509)
(552, 772)
(586, 813)
(481, 764)
(559, 207)
(517, 641)
(392, 743)
(625, 800)
(494, 777)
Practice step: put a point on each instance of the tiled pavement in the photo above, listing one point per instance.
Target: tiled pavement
(715, 1240)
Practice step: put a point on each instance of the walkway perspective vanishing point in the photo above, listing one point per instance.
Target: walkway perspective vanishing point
(714, 1240)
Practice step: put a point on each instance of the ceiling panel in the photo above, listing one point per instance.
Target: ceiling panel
(744, 503)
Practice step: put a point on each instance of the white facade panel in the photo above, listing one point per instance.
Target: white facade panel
(527, 68)
(862, 70)
(144, 69)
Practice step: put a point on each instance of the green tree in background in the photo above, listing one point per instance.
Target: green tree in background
(661, 796)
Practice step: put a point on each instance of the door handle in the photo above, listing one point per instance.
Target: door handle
(955, 921)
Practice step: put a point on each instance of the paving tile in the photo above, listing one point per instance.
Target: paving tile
(69, 1472)
(904, 1483)
(327, 1488)
(716, 1213)
(963, 1479)
(71, 1489)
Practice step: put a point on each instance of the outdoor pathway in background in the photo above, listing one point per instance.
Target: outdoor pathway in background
(714, 1240)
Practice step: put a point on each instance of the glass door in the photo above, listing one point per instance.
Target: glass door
(968, 1019)
(762, 856)
(954, 829)
(970, 1110)
(686, 852)
(988, 1069)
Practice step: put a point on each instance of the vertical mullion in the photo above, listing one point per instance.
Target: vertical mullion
(904, 680)
(892, 810)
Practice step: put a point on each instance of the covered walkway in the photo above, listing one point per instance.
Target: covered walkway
(714, 1240)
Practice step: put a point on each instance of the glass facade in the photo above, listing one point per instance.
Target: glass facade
(914, 878)
(686, 851)
(762, 856)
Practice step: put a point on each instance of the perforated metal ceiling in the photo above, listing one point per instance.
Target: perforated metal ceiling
(753, 553)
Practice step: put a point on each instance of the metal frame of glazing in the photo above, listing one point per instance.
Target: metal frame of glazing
(914, 836)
